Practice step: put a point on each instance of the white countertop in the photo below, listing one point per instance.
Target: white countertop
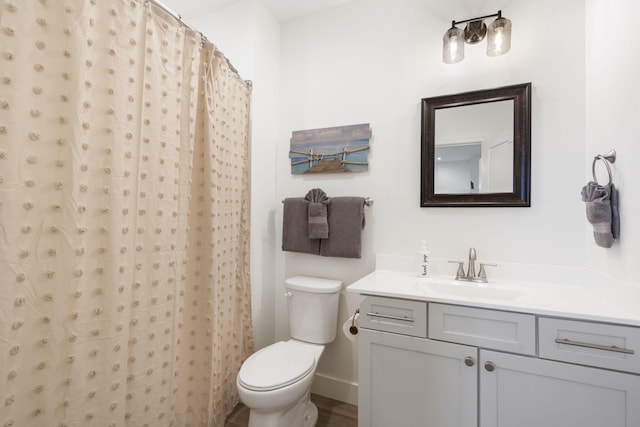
(607, 303)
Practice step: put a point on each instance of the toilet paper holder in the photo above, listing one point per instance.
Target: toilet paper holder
(353, 329)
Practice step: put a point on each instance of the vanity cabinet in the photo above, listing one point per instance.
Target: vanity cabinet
(416, 382)
(409, 380)
(531, 392)
(431, 364)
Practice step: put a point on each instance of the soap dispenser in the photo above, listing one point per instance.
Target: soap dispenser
(423, 260)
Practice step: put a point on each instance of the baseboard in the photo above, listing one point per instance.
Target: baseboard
(335, 388)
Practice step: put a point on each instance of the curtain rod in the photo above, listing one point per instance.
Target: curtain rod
(177, 16)
(181, 21)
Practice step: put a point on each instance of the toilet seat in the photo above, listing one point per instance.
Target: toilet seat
(276, 366)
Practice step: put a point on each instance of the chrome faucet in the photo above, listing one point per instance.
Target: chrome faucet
(471, 271)
(470, 275)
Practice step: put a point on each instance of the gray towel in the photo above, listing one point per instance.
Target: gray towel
(295, 228)
(346, 221)
(318, 225)
(602, 212)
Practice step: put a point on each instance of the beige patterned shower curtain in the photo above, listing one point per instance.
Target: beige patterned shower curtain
(124, 284)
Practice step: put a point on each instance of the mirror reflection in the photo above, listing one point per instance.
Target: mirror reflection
(474, 148)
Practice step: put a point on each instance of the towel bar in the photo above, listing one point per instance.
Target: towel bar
(610, 157)
(367, 201)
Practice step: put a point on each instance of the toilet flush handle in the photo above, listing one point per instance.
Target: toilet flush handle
(288, 294)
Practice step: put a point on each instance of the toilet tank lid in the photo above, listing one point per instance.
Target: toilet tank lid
(313, 284)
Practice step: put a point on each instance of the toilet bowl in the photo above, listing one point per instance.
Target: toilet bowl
(275, 382)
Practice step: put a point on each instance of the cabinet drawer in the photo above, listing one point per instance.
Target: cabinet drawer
(499, 330)
(587, 343)
(394, 315)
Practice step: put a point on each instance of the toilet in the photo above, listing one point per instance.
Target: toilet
(275, 382)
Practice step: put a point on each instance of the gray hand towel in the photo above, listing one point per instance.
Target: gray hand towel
(602, 212)
(615, 213)
(295, 228)
(346, 221)
(318, 225)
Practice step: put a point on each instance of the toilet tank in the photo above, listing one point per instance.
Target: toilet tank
(313, 308)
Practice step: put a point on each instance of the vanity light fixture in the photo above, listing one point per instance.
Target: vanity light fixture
(498, 37)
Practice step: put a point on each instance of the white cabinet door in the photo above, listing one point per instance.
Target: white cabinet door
(528, 392)
(415, 382)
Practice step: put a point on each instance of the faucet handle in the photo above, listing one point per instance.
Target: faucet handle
(482, 274)
(460, 272)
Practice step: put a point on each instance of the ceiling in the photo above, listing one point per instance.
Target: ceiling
(282, 10)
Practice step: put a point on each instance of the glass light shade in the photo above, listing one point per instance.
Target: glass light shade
(453, 46)
(499, 37)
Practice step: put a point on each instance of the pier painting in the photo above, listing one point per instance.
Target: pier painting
(330, 150)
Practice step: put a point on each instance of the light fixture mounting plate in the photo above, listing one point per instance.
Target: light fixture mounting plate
(475, 31)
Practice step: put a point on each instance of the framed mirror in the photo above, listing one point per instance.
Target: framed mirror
(476, 148)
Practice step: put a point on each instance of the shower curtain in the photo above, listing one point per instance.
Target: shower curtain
(124, 218)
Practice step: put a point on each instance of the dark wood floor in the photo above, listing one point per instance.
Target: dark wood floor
(331, 413)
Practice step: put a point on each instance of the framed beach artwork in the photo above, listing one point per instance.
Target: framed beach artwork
(330, 150)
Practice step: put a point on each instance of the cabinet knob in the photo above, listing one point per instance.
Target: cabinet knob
(288, 294)
(490, 366)
(469, 361)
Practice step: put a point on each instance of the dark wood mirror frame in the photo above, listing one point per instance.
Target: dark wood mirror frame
(521, 195)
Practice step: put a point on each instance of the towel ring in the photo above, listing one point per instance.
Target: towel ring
(610, 157)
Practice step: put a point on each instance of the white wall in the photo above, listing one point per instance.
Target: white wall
(372, 61)
(249, 37)
(612, 63)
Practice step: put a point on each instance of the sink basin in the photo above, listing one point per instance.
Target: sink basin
(472, 290)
